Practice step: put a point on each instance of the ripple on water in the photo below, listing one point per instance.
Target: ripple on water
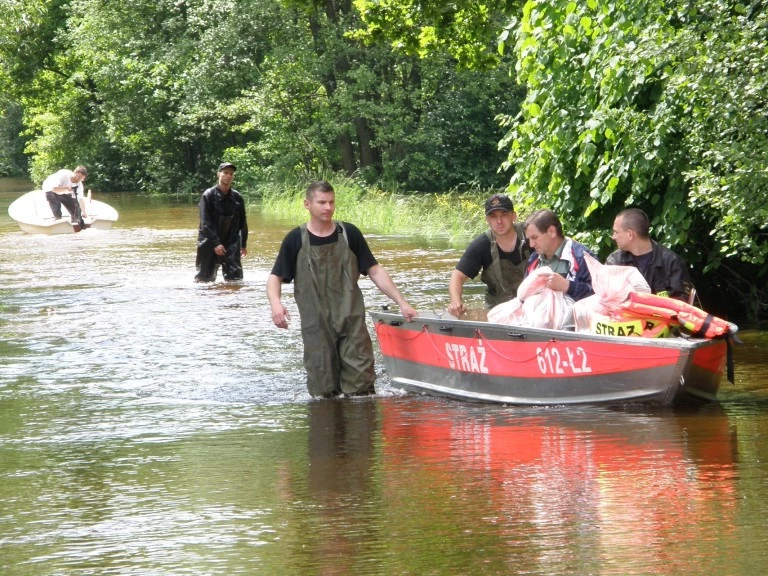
(149, 425)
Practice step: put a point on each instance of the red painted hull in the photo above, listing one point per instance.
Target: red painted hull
(514, 365)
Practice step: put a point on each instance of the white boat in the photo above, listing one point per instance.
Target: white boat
(33, 214)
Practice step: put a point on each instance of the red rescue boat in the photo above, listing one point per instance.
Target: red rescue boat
(487, 362)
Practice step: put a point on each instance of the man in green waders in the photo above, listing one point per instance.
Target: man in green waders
(325, 258)
(501, 252)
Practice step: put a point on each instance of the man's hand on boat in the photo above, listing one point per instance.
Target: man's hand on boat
(457, 308)
(408, 312)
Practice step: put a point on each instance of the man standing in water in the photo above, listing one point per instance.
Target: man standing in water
(223, 231)
(501, 252)
(61, 188)
(326, 258)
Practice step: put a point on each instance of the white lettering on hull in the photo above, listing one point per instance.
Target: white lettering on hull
(467, 358)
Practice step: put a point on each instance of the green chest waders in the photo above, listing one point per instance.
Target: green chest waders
(338, 353)
(503, 277)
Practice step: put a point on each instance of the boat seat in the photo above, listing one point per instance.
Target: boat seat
(42, 209)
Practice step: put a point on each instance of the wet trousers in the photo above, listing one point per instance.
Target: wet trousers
(208, 263)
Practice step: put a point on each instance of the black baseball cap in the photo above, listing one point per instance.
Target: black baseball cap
(227, 165)
(499, 202)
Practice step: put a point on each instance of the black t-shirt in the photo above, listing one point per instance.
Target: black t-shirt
(643, 262)
(285, 264)
(477, 256)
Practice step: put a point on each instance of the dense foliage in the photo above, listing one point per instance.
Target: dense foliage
(661, 104)
(636, 103)
(13, 162)
(468, 30)
(652, 104)
(151, 94)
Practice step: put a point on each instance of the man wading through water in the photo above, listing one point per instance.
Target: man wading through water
(223, 231)
(325, 259)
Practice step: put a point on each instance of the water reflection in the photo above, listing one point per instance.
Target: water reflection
(572, 489)
(131, 441)
(340, 449)
(339, 482)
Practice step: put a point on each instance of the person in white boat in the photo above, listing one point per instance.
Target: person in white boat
(223, 231)
(65, 187)
(501, 252)
(665, 271)
(565, 256)
(325, 257)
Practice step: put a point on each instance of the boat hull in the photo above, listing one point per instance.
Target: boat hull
(486, 362)
(33, 215)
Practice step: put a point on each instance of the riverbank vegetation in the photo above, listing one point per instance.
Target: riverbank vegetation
(456, 216)
(584, 107)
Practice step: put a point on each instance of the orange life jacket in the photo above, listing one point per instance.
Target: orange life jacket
(693, 319)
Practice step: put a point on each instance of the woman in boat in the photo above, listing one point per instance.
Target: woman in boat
(501, 252)
(565, 256)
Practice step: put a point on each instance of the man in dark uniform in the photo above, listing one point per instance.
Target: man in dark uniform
(223, 229)
(325, 259)
(665, 271)
(501, 252)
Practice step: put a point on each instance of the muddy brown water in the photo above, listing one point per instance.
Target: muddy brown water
(149, 425)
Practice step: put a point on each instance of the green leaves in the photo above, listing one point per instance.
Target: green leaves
(159, 90)
(629, 104)
(467, 30)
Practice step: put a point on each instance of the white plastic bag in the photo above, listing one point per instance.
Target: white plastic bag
(612, 286)
(536, 305)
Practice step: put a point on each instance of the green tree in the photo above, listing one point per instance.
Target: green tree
(165, 73)
(12, 159)
(366, 109)
(57, 100)
(152, 94)
(651, 104)
(467, 30)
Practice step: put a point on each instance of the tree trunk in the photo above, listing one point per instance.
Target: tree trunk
(369, 154)
(347, 152)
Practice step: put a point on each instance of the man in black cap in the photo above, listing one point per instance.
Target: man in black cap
(223, 231)
(501, 252)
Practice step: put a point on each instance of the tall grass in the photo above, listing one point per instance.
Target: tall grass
(452, 215)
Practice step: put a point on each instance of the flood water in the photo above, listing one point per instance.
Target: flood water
(153, 426)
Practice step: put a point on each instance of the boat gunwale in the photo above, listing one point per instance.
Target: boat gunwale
(489, 329)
